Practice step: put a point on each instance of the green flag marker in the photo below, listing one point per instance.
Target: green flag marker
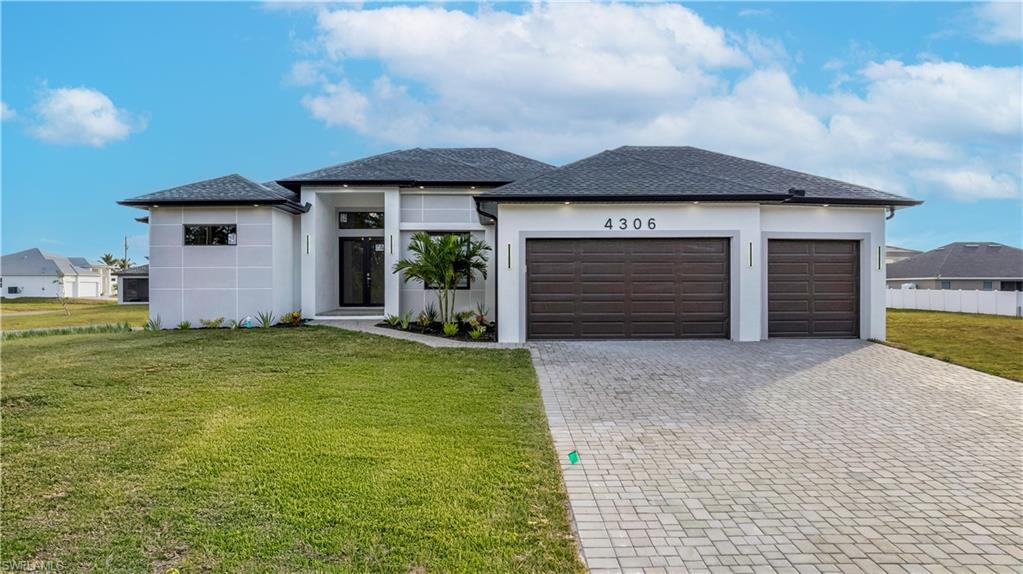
(573, 457)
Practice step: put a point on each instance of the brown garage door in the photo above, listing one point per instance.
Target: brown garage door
(813, 288)
(627, 288)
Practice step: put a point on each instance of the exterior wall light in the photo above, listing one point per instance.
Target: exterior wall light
(568, 203)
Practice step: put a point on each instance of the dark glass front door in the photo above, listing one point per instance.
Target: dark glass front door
(362, 271)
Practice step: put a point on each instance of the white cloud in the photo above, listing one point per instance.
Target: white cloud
(753, 12)
(7, 112)
(970, 184)
(561, 81)
(81, 116)
(999, 22)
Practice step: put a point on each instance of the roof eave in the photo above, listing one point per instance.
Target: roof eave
(296, 184)
(198, 202)
(717, 198)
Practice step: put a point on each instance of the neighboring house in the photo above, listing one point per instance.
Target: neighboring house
(893, 254)
(37, 273)
(963, 265)
(635, 242)
(133, 284)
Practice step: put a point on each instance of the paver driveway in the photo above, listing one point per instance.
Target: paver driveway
(785, 456)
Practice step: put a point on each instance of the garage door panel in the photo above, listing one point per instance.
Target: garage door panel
(813, 288)
(630, 288)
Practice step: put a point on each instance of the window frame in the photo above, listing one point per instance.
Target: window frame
(945, 284)
(987, 285)
(365, 212)
(209, 234)
(468, 281)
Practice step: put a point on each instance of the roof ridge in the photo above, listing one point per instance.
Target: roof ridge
(552, 171)
(700, 173)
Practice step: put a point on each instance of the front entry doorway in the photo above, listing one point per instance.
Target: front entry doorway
(362, 271)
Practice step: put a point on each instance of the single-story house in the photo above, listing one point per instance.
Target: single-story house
(634, 242)
(964, 265)
(894, 254)
(37, 273)
(133, 284)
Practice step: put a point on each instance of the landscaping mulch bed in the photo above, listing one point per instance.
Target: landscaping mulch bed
(437, 330)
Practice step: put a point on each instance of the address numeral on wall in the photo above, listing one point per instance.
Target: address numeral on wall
(623, 223)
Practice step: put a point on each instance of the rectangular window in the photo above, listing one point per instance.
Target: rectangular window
(464, 283)
(226, 234)
(946, 284)
(988, 286)
(360, 220)
(13, 290)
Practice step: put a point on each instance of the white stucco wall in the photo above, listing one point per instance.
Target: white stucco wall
(406, 211)
(188, 283)
(748, 226)
(36, 286)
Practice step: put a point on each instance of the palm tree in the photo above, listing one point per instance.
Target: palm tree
(442, 262)
(108, 259)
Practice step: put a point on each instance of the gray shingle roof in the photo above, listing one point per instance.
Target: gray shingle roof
(136, 270)
(978, 260)
(227, 190)
(631, 172)
(428, 166)
(35, 261)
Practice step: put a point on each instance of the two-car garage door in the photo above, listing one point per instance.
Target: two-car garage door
(627, 288)
(680, 288)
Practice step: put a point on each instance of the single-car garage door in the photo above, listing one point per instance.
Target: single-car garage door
(813, 288)
(627, 288)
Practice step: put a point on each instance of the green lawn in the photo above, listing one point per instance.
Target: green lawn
(286, 450)
(987, 343)
(32, 313)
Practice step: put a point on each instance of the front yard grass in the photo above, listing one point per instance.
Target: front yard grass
(310, 449)
(987, 343)
(32, 313)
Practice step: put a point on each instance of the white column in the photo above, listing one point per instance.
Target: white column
(307, 254)
(392, 251)
(752, 268)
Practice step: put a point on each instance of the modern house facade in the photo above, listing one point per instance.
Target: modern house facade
(37, 273)
(635, 242)
(964, 265)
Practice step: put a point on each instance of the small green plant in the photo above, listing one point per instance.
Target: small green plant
(405, 320)
(450, 329)
(464, 316)
(153, 324)
(233, 324)
(431, 313)
(477, 332)
(266, 319)
(392, 320)
(481, 313)
(184, 325)
(293, 319)
(423, 320)
(211, 323)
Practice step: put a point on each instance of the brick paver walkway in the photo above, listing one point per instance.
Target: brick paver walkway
(785, 456)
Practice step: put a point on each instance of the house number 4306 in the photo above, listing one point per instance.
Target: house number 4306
(625, 223)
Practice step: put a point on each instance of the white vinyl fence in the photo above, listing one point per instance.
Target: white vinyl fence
(988, 302)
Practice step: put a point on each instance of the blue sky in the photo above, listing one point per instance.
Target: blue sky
(107, 101)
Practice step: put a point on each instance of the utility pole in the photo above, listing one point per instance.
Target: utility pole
(125, 251)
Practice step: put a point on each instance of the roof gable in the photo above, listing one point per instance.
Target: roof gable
(962, 260)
